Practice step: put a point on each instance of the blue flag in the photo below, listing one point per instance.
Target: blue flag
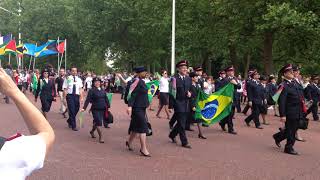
(29, 49)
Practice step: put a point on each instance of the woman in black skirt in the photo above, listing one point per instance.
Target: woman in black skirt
(100, 103)
(194, 92)
(47, 91)
(164, 93)
(138, 103)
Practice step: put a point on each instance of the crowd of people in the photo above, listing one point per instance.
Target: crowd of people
(298, 97)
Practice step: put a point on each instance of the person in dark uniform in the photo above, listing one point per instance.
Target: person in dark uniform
(181, 103)
(264, 96)
(100, 103)
(255, 98)
(138, 103)
(248, 90)
(230, 78)
(313, 95)
(194, 92)
(298, 83)
(218, 83)
(271, 91)
(199, 71)
(291, 110)
(47, 91)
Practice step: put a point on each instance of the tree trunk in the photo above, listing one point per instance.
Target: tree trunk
(233, 56)
(247, 59)
(267, 52)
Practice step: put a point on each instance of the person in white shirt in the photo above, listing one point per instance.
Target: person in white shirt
(88, 82)
(21, 155)
(164, 93)
(208, 86)
(73, 91)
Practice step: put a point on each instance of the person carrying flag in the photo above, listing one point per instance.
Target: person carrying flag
(230, 78)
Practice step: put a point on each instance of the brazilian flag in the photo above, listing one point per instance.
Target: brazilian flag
(213, 108)
(152, 89)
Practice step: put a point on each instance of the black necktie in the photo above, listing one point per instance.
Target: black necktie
(74, 86)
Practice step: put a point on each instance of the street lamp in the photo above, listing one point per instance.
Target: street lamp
(173, 37)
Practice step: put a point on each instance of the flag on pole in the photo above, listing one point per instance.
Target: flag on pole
(152, 89)
(61, 46)
(47, 49)
(11, 47)
(213, 108)
(5, 39)
(2, 52)
(29, 49)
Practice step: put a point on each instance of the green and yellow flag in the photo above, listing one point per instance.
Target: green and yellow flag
(152, 89)
(213, 108)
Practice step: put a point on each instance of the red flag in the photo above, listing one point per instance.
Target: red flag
(11, 46)
(61, 47)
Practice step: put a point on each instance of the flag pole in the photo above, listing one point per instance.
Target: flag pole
(30, 63)
(65, 56)
(34, 59)
(173, 36)
(58, 56)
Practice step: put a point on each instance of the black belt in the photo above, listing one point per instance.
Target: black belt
(2, 141)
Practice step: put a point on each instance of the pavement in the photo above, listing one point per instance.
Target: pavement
(250, 155)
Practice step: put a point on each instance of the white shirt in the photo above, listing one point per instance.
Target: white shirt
(21, 156)
(68, 84)
(241, 89)
(88, 82)
(164, 85)
(209, 88)
(146, 80)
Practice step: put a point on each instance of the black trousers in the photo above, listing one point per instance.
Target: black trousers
(229, 120)
(314, 109)
(246, 108)
(73, 103)
(173, 119)
(256, 110)
(238, 103)
(289, 133)
(179, 128)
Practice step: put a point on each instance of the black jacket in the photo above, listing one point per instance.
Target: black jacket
(139, 96)
(98, 99)
(257, 94)
(46, 90)
(226, 81)
(290, 101)
(313, 93)
(181, 103)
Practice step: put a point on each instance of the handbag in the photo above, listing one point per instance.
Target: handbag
(149, 133)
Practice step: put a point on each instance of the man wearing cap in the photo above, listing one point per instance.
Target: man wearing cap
(256, 100)
(248, 90)
(199, 71)
(230, 78)
(218, 83)
(291, 110)
(73, 92)
(313, 95)
(181, 103)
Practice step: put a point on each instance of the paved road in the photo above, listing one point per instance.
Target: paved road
(251, 155)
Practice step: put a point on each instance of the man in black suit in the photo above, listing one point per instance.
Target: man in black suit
(248, 90)
(230, 78)
(291, 110)
(256, 100)
(313, 95)
(181, 103)
(218, 83)
(199, 71)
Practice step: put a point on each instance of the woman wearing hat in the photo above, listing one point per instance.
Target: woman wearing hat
(138, 103)
(100, 103)
(47, 90)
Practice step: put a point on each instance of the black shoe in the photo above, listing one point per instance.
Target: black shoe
(201, 136)
(187, 146)
(92, 134)
(69, 126)
(247, 123)
(232, 132)
(189, 129)
(145, 155)
(259, 127)
(205, 125)
(173, 140)
(276, 142)
(128, 146)
(222, 127)
(292, 152)
(75, 129)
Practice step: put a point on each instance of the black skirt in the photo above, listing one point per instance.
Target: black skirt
(138, 122)
(264, 109)
(164, 98)
(98, 117)
(46, 103)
